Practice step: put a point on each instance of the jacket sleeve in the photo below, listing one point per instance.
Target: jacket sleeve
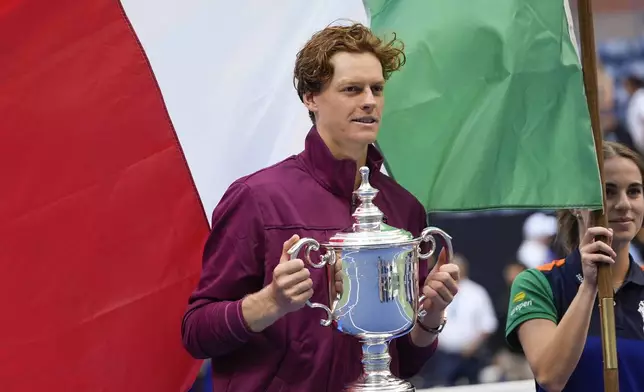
(233, 267)
(411, 357)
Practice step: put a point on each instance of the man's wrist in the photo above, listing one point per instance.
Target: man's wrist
(432, 330)
(268, 300)
(427, 330)
(260, 310)
(421, 337)
(432, 322)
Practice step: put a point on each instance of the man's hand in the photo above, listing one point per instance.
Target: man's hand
(439, 289)
(292, 285)
(290, 289)
(337, 279)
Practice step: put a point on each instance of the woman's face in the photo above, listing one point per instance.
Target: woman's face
(624, 200)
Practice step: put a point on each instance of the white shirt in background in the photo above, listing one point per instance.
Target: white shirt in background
(635, 119)
(468, 316)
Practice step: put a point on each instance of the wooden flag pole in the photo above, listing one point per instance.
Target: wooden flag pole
(604, 279)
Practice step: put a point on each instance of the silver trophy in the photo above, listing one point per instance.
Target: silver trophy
(380, 297)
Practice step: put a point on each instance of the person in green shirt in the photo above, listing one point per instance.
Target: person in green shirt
(553, 314)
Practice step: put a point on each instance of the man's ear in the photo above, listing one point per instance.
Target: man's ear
(309, 100)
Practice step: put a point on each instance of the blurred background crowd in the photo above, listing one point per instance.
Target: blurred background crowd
(493, 247)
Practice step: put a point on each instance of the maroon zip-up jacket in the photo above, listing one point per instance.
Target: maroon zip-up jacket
(309, 194)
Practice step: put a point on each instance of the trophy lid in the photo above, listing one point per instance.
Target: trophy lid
(368, 227)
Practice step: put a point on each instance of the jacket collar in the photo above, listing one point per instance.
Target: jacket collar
(336, 175)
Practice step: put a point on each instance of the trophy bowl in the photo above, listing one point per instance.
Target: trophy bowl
(380, 298)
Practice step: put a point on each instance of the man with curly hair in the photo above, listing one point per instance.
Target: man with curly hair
(247, 312)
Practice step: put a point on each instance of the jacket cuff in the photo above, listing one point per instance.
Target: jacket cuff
(235, 322)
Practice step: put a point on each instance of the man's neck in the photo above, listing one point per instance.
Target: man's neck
(358, 154)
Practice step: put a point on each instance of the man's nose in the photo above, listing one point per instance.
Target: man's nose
(369, 102)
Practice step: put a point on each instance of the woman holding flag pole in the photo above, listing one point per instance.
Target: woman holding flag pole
(553, 315)
(573, 365)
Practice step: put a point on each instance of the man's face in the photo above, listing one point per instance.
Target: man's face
(349, 107)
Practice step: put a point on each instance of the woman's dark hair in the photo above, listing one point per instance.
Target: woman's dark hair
(568, 226)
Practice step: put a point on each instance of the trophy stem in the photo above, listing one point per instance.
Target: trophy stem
(375, 358)
(376, 376)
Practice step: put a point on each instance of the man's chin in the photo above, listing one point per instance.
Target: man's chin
(366, 136)
(367, 140)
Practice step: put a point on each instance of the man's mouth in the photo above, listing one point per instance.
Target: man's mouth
(365, 120)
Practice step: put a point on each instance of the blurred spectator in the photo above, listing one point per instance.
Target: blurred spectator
(612, 127)
(501, 301)
(507, 364)
(203, 383)
(634, 86)
(471, 321)
(539, 231)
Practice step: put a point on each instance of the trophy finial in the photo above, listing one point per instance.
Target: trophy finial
(367, 216)
(364, 174)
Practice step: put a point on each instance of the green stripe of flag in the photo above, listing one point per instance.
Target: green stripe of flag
(489, 111)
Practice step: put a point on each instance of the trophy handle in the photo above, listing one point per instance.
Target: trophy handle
(428, 236)
(421, 312)
(328, 258)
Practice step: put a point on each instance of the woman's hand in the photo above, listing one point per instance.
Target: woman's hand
(593, 252)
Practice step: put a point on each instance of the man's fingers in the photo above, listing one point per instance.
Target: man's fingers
(303, 297)
(337, 266)
(339, 287)
(427, 303)
(337, 277)
(443, 290)
(300, 288)
(287, 245)
(434, 298)
(291, 271)
(453, 271)
(446, 279)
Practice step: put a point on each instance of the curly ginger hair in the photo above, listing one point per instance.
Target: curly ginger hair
(313, 68)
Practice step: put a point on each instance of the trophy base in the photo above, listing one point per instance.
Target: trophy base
(380, 383)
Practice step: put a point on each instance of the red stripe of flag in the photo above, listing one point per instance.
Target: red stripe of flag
(101, 228)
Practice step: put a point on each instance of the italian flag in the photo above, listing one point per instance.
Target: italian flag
(123, 122)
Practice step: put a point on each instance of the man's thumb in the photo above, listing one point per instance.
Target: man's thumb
(442, 258)
(287, 245)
